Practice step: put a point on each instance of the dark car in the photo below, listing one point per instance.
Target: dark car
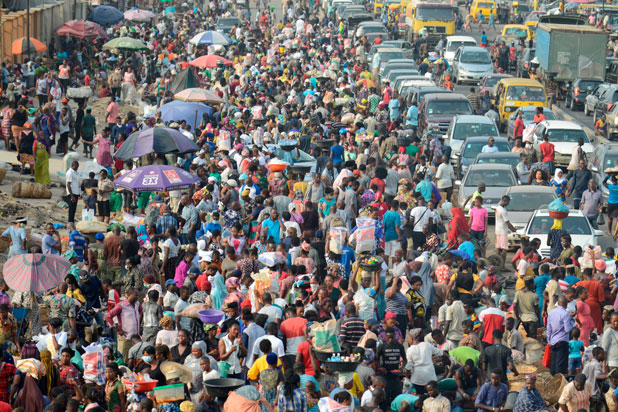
(439, 109)
(579, 89)
(225, 24)
(605, 102)
(523, 63)
(414, 95)
(611, 74)
(473, 146)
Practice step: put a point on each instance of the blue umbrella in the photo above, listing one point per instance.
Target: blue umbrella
(191, 112)
(106, 15)
(211, 37)
(170, 10)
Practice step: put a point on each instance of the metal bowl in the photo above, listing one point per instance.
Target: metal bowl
(342, 366)
(322, 356)
(324, 143)
(372, 267)
(220, 388)
(301, 168)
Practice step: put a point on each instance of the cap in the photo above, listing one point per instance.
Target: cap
(232, 183)
(195, 270)
(100, 236)
(170, 282)
(390, 315)
(272, 358)
(212, 179)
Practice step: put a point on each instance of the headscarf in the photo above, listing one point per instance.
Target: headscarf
(458, 225)
(557, 224)
(559, 179)
(30, 397)
(46, 360)
(218, 292)
(232, 282)
(200, 344)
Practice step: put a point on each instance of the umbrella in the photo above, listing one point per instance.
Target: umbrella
(105, 15)
(211, 37)
(125, 43)
(169, 10)
(210, 60)
(177, 110)
(139, 15)
(20, 46)
(198, 95)
(156, 178)
(366, 83)
(82, 29)
(155, 140)
(35, 272)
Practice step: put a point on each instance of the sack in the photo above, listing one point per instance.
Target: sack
(336, 221)
(325, 336)
(337, 240)
(87, 214)
(600, 220)
(94, 366)
(547, 356)
(191, 310)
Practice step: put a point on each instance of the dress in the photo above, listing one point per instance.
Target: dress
(585, 321)
(41, 163)
(595, 297)
(560, 187)
(529, 401)
(104, 156)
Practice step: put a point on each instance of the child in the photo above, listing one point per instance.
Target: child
(152, 313)
(171, 296)
(576, 348)
(408, 386)
(270, 378)
(490, 280)
(115, 394)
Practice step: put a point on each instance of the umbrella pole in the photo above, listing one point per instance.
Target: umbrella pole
(197, 105)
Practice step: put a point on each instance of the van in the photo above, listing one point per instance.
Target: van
(611, 75)
(512, 93)
(486, 6)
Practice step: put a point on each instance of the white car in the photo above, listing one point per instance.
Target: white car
(467, 125)
(576, 225)
(564, 136)
(471, 64)
(455, 42)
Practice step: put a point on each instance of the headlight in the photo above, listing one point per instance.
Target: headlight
(509, 109)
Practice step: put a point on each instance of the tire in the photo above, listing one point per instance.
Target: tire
(496, 260)
(572, 105)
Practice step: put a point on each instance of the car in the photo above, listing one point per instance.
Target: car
(351, 9)
(400, 44)
(355, 19)
(438, 109)
(395, 74)
(504, 158)
(497, 178)
(605, 102)
(593, 97)
(416, 94)
(488, 82)
(464, 126)
(576, 224)
(519, 31)
(564, 136)
(368, 28)
(455, 42)
(525, 199)
(471, 64)
(408, 84)
(527, 115)
(472, 146)
(396, 64)
(611, 121)
(523, 62)
(578, 90)
(225, 24)
(398, 80)
(604, 156)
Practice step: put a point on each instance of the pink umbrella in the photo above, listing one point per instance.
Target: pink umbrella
(35, 272)
(82, 29)
(210, 61)
(139, 15)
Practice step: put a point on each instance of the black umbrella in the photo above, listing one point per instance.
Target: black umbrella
(155, 140)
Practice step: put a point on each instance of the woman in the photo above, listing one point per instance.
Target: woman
(69, 374)
(584, 320)
(427, 290)
(231, 350)
(40, 149)
(233, 293)
(198, 349)
(538, 179)
(560, 184)
(171, 247)
(291, 397)
(183, 349)
(74, 291)
(7, 133)
(396, 302)
(104, 155)
(416, 306)
(218, 292)
(25, 145)
(20, 117)
(168, 336)
(612, 203)
(458, 225)
(115, 392)
(529, 398)
(50, 380)
(17, 234)
(595, 299)
(554, 239)
(420, 356)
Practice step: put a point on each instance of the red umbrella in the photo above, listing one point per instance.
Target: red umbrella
(35, 272)
(82, 29)
(210, 60)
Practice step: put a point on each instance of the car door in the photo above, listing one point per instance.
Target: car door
(594, 97)
(456, 60)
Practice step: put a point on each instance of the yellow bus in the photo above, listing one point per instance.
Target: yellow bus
(436, 18)
(587, 8)
(378, 5)
(512, 93)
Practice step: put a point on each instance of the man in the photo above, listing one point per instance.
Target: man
(112, 112)
(455, 315)
(63, 307)
(497, 357)
(88, 131)
(419, 217)
(271, 227)
(518, 127)
(576, 395)
(315, 191)
(475, 102)
(445, 177)
(526, 305)
(293, 330)
(522, 169)
(435, 402)
(490, 147)
(77, 242)
(261, 363)
(112, 253)
(512, 337)
(272, 331)
(104, 189)
(412, 118)
(391, 354)
(609, 342)
(118, 129)
(73, 189)
(596, 370)
(577, 155)
(492, 395)
(191, 218)
(392, 230)
(137, 350)
(129, 313)
(492, 319)
(559, 325)
(579, 182)
(469, 380)
(274, 313)
(352, 328)
(592, 203)
(503, 226)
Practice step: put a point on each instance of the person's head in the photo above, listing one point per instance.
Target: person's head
(505, 200)
(530, 382)
(579, 382)
(432, 389)
(510, 323)
(233, 329)
(496, 377)
(469, 367)
(111, 371)
(491, 141)
(497, 335)
(598, 353)
(65, 356)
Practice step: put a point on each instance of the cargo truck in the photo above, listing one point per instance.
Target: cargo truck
(566, 52)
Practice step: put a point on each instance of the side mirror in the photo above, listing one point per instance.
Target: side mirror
(598, 232)
(458, 182)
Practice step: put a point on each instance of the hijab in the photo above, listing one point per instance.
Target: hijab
(559, 179)
(219, 292)
(458, 225)
(427, 289)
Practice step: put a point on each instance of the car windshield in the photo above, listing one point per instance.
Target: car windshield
(227, 22)
(573, 225)
(497, 159)
(611, 160)
(386, 56)
(491, 178)
(454, 45)
(449, 107)
(567, 135)
(473, 149)
(515, 31)
(464, 130)
(526, 93)
(528, 115)
(485, 5)
(373, 29)
(491, 81)
(475, 57)
(588, 85)
(526, 201)
(438, 13)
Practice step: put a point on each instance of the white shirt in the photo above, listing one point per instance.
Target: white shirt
(272, 312)
(502, 216)
(421, 215)
(445, 176)
(489, 149)
(419, 358)
(277, 347)
(74, 180)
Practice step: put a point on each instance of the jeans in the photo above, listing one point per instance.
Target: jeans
(559, 358)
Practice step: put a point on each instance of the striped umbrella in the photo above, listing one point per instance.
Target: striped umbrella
(20, 46)
(198, 95)
(35, 272)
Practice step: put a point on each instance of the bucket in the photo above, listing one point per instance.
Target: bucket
(224, 368)
(510, 401)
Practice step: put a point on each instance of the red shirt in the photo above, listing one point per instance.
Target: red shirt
(378, 182)
(492, 319)
(518, 130)
(294, 331)
(547, 150)
(304, 349)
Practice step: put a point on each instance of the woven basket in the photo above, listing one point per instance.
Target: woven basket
(553, 389)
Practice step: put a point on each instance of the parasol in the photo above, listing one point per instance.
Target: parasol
(82, 29)
(105, 15)
(20, 46)
(209, 61)
(35, 272)
(127, 43)
(177, 110)
(155, 140)
(138, 15)
(156, 178)
(211, 37)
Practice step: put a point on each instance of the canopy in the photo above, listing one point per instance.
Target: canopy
(156, 178)
(127, 43)
(185, 79)
(35, 272)
(82, 29)
(211, 37)
(210, 60)
(20, 46)
(198, 95)
(138, 15)
(192, 113)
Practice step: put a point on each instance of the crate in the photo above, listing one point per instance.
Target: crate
(170, 393)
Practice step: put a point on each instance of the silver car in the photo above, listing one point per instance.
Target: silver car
(527, 115)
(497, 178)
(471, 64)
(524, 201)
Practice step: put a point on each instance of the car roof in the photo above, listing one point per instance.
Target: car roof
(501, 75)
(518, 81)
(473, 48)
(533, 108)
(461, 38)
(480, 139)
(389, 49)
(545, 212)
(371, 23)
(498, 154)
(490, 166)
(399, 61)
(473, 118)
(445, 96)
(531, 189)
(562, 124)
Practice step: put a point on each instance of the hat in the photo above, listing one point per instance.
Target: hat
(27, 125)
(212, 179)
(600, 265)
(21, 219)
(64, 100)
(372, 322)
(242, 176)
(157, 198)
(173, 370)
(272, 358)
(232, 183)
(245, 192)
(187, 406)
(195, 271)
(170, 282)
(390, 315)
(100, 236)
(305, 246)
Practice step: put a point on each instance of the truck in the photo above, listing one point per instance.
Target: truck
(566, 52)
(433, 17)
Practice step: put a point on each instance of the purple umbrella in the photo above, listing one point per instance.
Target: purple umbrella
(156, 178)
(155, 140)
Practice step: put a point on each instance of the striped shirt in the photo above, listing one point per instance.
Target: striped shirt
(574, 399)
(352, 330)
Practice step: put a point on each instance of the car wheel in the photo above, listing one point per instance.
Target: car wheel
(572, 105)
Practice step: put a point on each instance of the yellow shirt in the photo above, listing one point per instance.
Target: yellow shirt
(475, 278)
(76, 294)
(258, 366)
(302, 186)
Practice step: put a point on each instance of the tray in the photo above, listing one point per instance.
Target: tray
(372, 267)
(342, 366)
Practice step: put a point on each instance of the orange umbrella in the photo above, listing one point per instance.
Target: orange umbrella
(20, 46)
(209, 61)
(198, 95)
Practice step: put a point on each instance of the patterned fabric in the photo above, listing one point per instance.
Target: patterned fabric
(298, 402)
(269, 379)
(68, 373)
(367, 198)
(61, 306)
(8, 329)
(529, 401)
(6, 373)
(166, 221)
(574, 399)
(416, 303)
(443, 274)
(472, 340)
(475, 322)
(112, 395)
(26, 158)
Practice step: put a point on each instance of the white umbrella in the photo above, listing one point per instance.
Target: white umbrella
(211, 37)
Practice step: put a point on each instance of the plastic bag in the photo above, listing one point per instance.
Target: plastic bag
(557, 206)
(262, 282)
(87, 214)
(325, 336)
(337, 239)
(94, 365)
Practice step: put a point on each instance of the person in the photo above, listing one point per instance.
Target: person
(609, 341)
(291, 397)
(435, 401)
(419, 357)
(560, 184)
(559, 325)
(579, 183)
(518, 127)
(73, 189)
(595, 296)
(497, 357)
(25, 148)
(526, 307)
(503, 226)
(592, 203)
(129, 314)
(469, 380)
(490, 147)
(529, 399)
(40, 149)
(576, 395)
(18, 237)
(492, 395)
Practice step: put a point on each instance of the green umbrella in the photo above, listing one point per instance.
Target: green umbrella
(125, 43)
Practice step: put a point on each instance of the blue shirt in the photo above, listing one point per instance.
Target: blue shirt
(337, 151)
(559, 325)
(393, 107)
(412, 116)
(47, 245)
(575, 349)
(396, 403)
(491, 396)
(274, 228)
(613, 193)
(347, 258)
(540, 282)
(77, 242)
(425, 188)
(483, 39)
(391, 220)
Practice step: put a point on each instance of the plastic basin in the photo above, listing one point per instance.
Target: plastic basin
(210, 315)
